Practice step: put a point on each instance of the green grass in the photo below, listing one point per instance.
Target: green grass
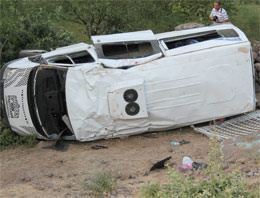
(248, 20)
(9, 139)
(101, 183)
(77, 30)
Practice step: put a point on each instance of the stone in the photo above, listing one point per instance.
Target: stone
(257, 67)
(186, 26)
(258, 53)
(250, 174)
(69, 185)
(131, 177)
(257, 59)
(39, 187)
(83, 193)
(254, 55)
(50, 175)
(26, 179)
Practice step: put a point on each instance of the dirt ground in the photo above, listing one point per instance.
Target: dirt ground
(38, 172)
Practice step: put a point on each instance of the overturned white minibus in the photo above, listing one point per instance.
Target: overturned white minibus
(130, 83)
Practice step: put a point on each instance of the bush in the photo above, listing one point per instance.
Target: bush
(28, 25)
(217, 184)
(9, 139)
(101, 183)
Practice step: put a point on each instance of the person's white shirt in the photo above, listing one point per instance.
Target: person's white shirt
(221, 14)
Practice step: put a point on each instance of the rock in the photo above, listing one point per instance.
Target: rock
(257, 67)
(131, 177)
(254, 55)
(250, 174)
(69, 185)
(257, 59)
(39, 187)
(258, 52)
(48, 185)
(50, 175)
(103, 162)
(26, 179)
(68, 194)
(186, 26)
(83, 193)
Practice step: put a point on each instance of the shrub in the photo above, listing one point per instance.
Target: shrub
(101, 183)
(9, 139)
(217, 184)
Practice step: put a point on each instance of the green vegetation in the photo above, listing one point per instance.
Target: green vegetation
(101, 183)
(248, 20)
(26, 25)
(8, 139)
(217, 183)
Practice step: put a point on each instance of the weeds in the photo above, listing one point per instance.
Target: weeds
(217, 183)
(101, 183)
(9, 139)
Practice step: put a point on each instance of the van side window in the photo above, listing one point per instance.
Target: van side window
(189, 39)
(75, 58)
(180, 41)
(127, 50)
(228, 33)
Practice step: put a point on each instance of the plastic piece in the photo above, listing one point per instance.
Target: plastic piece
(175, 143)
(187, 162)
(184, 142)
(198, 165)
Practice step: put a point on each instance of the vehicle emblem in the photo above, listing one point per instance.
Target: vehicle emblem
(13, 106)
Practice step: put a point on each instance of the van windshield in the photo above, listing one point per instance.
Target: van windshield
(46, 94)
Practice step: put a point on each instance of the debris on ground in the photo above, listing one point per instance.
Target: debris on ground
(150, 135)
(180, 143)
(245, 125)
(99, 147)
(187, 164)
(160, 164)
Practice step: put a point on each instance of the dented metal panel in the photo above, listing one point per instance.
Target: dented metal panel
(121, 37)
(178, 90)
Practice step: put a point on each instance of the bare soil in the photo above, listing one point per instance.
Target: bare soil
(37, 172)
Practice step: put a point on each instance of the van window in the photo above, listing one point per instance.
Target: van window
(179, 41)
(75, 58)
(127, 50)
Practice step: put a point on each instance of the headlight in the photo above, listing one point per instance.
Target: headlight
(8, 72)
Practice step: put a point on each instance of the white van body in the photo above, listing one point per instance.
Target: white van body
(173, 83)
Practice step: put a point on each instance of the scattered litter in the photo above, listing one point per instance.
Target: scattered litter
(150, 135)
(198, 165)
(175, 143)
(184, 142)
(248, 144)
(160, 164)
(187, 163)
(58, 143)
(180, 143)
(99, 147)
